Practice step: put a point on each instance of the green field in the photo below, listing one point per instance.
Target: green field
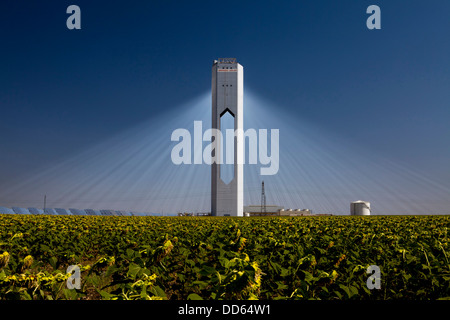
(224, 257)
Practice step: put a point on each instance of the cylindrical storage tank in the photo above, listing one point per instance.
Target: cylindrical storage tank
(360, 208)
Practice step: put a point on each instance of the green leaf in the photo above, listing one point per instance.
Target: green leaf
(367, 290)
(159, 292)
(45, 248)
(281, 285)
(70, 294)
(308, 276)
(143, 294)
(26, 296)
(194, 296)
(190, 262)
(346, 290)
(353, 291)
(359, 268)
(207, 270)
(406, 276)
(276, 266)
(285, 272)
(107, 295)
(201, 284)
(130, 253)
(111, 270)
(338, 294)
(133, 270)
(53, 262)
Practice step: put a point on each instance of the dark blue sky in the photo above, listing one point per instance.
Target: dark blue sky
(62, 91)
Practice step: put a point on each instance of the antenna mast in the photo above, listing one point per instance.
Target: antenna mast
(263, 199)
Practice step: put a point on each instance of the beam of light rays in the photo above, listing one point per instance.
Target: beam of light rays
(130, 171)
(318, 170)
(321, 171)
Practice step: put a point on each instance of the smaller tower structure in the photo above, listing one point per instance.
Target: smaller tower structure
(263, 199)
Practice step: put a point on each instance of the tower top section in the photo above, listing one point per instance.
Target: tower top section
(225, 61)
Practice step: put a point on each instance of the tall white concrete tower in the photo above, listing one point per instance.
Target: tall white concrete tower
(227, 197)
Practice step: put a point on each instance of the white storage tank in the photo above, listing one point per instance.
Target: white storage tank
(360, 208)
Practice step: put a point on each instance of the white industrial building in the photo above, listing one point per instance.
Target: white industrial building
(256, 209)
(360, 208)
(273, 210)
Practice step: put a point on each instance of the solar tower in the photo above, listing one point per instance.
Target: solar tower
(227, 197)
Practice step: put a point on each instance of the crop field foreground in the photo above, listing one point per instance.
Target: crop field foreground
(224, 257)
